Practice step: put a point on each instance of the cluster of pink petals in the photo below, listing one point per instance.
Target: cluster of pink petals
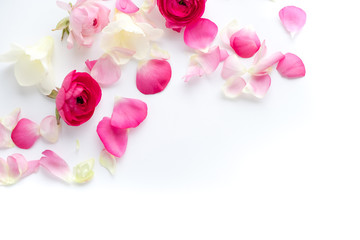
(113, 131)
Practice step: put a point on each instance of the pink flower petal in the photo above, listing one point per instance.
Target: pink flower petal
(234, 87)
(232, 67)
(260, 85)
(200, 34)
(126, 6)
(63, 5)
(90, 64)
(153, 76)
(5, 138)
(293, 18)
(56, 165)
(25, 133)
(49, 129)
(128, 113)
(223, 55)
(261, 53)
(11, 120)
(209, 61)
(3, 171)
(105, 71)
(263, 67)
(33, 167)
(108, 161)
(114, 139)
(193, 71)
(291, 66)
(245, 42)
(17, 165)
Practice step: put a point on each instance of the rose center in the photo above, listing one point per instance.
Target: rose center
(80, 100)
(95, 22)
(181, 2)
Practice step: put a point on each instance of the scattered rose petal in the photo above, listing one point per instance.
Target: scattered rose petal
(128, 113)
(108, 161)
(105, 71)
(83, 172)
(263, 67)
(159, 53)
(25, 133)
(228, 31)
(260, 85)
(11, 120)
(200, 34)
(56, 165)
(114, 139)
(232, 67)
(153, 76)
(245, 42)
(234, 87)
(291, 66)
(49, 129)
(32, 167)
(261, 53)
(90, 64)
(223, 55)
(293, 18)
(5, 138)
(193, 71)
(126, 6)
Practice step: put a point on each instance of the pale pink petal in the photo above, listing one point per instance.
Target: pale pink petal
(105, 71)
(90, 64)
(261, 53)
(33, 167)
(56, 165)
(5, 138)
(17, 165)
(245, 42)
(63, 5)
(3, 171)
(193, 71)
(49, 129)
(114, 139)
(128, 113)
(126, 6)
(234, 87)
(263, 67)
(11, 120)
(293, 18)
(153, 76)
(200, 34)
(291, 66)
(260, 85)
(209, 61)
(25, 133)
(232, 67)
(223, 55)
(108, 161)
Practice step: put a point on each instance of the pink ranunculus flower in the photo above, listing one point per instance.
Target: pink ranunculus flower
(180, 13)
(87, 17)
(77, 98)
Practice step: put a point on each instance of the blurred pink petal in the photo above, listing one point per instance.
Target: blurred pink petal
(128, 113)
(63, 5)
(32, 167)
(263, 67)
(223, 55)
(193, 71)
(126, 6)
(245, 42)
(209, 61)
(261, 53)
(25, 133)
(232, 67)
(49, 129)
(90, 64)
(293, 18)
(105, 71)
(153, 76)
(291, 66)
(200, 34)
(56, 165)
(260, 85)
(234, 87)
(114, 139)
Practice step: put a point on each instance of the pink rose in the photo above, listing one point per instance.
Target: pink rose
(87, 17)
(179, 13)
(77, 98)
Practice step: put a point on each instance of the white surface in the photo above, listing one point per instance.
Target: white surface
(201, 166)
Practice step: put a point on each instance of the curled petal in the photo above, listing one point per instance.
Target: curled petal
(259, 85)
(5, 138)
(245, 42)
(56, 165)
(90, 64)
(234, 87)
(291, 66)
(25, 133)
(293, 18)
(232, 67)
(200, 34)
(49, 129)
(17, 165)
(114, 139)
(105, 71)
(108, 161)
(153, 76)
(11, 120)
(126, 6)
(128, 113)
(263, 67)
(83, 172)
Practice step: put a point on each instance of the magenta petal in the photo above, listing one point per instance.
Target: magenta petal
(245, 42)
(114, 139)
(126, 6)
(25, 133)
(260, 85)
(200, 34)
(293, 18)
(90, 64)
(128, 113)
(56, 165)
(291, 66)
(105, 71)
(153, 76)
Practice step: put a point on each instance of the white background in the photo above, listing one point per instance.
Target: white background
(201, 166)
